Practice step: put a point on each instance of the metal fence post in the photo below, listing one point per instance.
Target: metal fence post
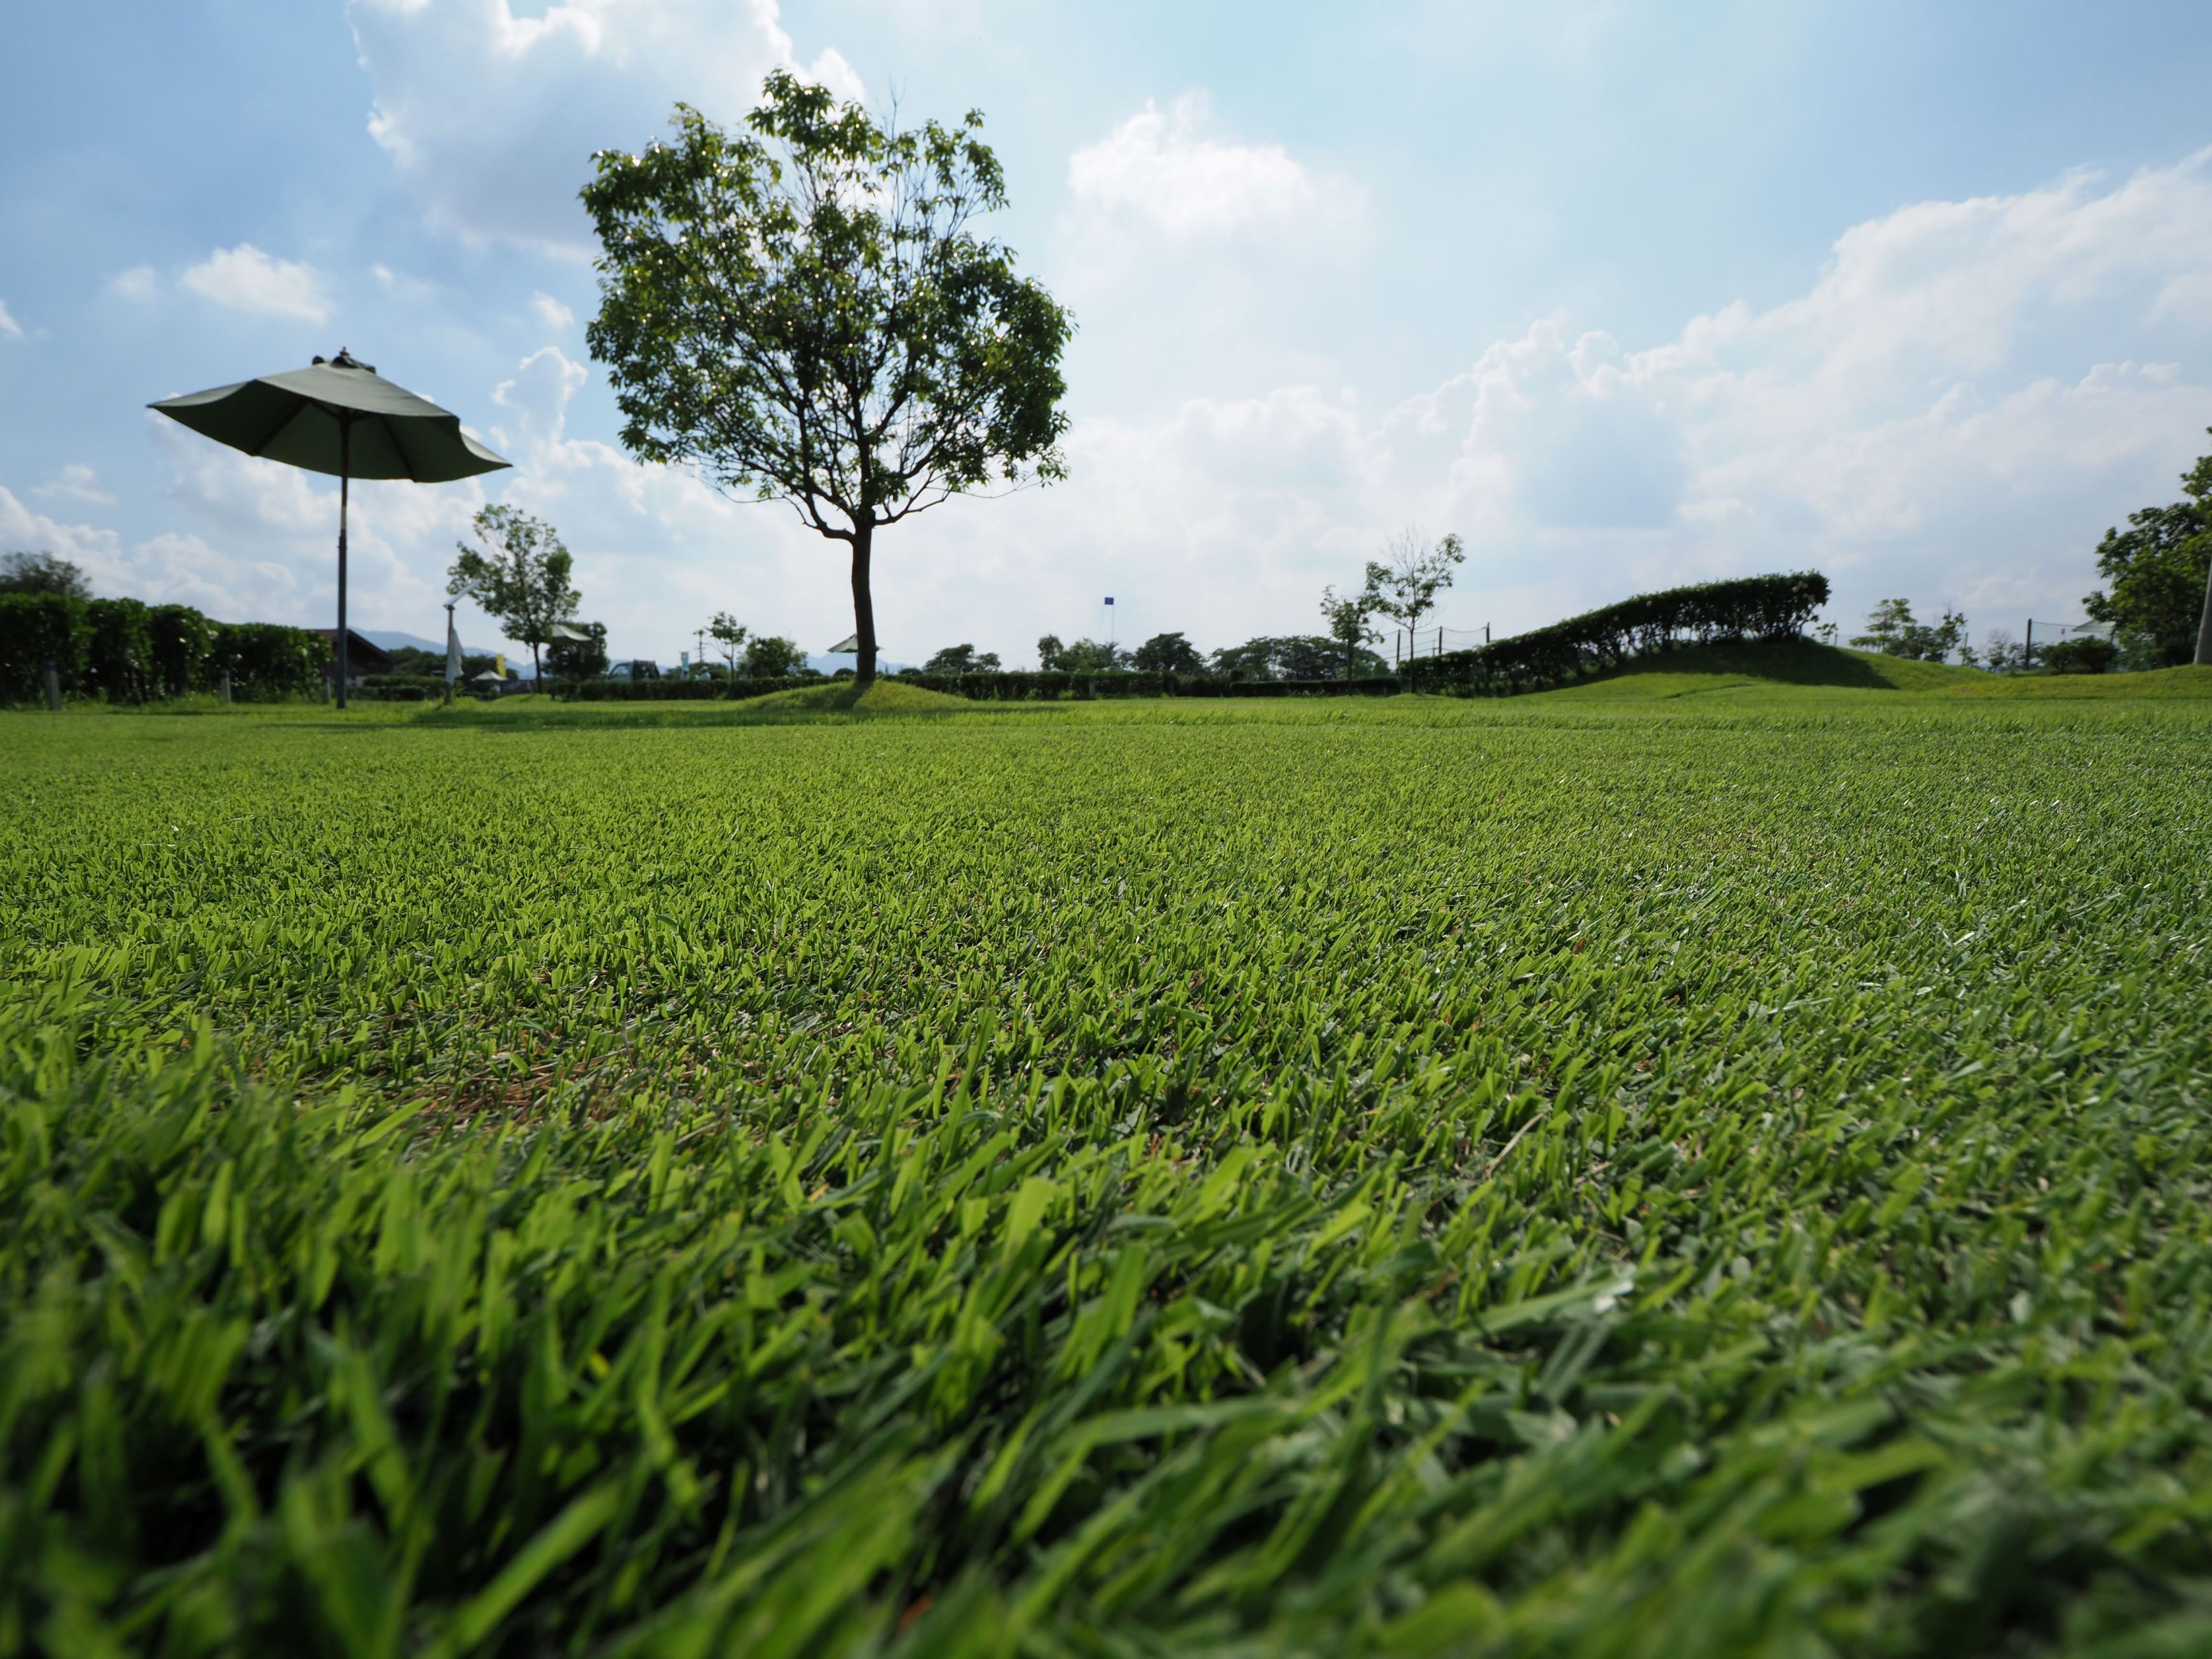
(226, 686)
(53, 688)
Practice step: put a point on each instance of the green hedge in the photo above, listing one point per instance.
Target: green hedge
(1043, 686)
(119, 656)
(125, 651)
(269, 661)
(1775, 607)
(35, 629)
(183, 650)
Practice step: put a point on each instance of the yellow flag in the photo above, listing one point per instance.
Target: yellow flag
(499, 664)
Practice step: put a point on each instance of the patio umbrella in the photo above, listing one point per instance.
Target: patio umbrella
(341, 417)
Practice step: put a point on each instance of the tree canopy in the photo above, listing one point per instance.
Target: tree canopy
(42, 573)
(962, 659)
(2158, 572)
(1292, 656)
(805, 312)
(579, 659)
(520, 576)
(1404, 583)
(1167, 653)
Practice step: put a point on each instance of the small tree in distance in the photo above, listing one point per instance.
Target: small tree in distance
(1167, 653)
(727, 632)
(1050, 651)
(1892, 630)
(519, 577)
(962, 659)
(579, 659)
(1091, 657)
(805, 313)
(772, 656)
(1405, 582)
(1348, 621)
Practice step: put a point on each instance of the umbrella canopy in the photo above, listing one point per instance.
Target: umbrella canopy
(341, 417)
(338, 417)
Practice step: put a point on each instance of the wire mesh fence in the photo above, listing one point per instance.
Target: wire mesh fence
(1434, 641)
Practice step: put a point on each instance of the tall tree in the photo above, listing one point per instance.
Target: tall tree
(1405, 582)
(2160, 575)
(805, 312)
(520, 576)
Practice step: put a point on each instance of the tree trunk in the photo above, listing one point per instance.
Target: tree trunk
(863, 607)
(537, 674)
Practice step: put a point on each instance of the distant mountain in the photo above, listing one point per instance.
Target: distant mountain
(388, 641)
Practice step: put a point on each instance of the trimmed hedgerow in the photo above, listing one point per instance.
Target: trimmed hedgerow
(1776, 607)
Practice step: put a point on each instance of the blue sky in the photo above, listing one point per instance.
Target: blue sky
(1625, 294)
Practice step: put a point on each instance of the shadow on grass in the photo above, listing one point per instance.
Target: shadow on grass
(1794, 662)
(836, 703)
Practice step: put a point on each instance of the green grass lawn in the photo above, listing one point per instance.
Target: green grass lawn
(1697, 1170)
(1796, 673)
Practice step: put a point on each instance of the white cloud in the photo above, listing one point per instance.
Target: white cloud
(1164, 168)
(139, 283)
(247, 279)
(551, 312)
(9, 328)
(538, 394)
(76, 483)
(493, 117)
(1970, 392)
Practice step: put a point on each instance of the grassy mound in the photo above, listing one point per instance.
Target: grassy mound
(2158, 682)
(840, 697)
(1702, 669)
(1752, 671)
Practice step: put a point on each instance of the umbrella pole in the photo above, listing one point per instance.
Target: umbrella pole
(345, 481)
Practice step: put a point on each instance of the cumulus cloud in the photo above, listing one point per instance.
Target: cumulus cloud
(493, 115)
(1166, 168)
(76, 483)
(139, 283)
(1958, 406)
(551, 312)
(247, 279)
(9, 328)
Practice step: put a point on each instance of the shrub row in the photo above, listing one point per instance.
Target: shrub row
(679, 690)
(1775, 607)
(1040, 686)
(127, 651)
